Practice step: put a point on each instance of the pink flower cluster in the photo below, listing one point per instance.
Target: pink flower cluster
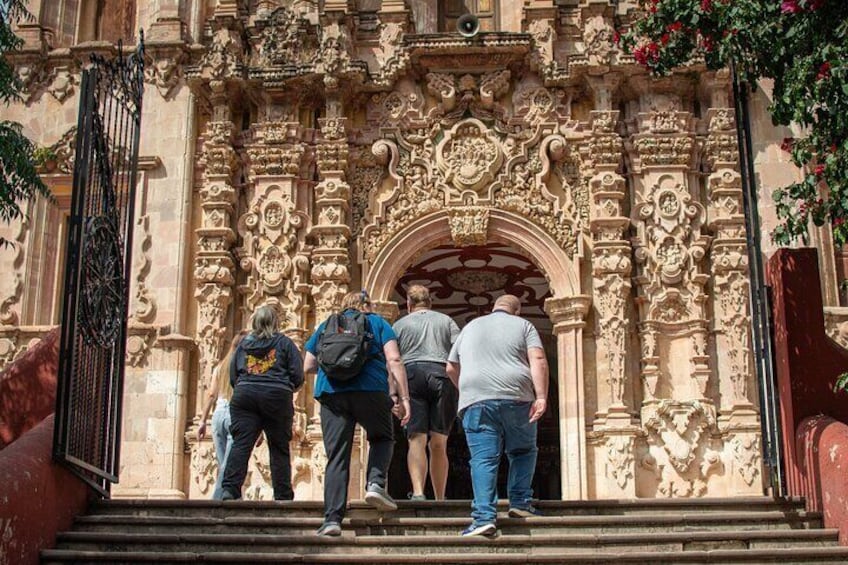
(795, 7)
(647, 54)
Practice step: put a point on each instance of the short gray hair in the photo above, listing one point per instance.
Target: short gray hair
(265, 322)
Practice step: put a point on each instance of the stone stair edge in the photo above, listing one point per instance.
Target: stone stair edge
(714, 556)
(505, 539)
(390, 520)
(310, 504)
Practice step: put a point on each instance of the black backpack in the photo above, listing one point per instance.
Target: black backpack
(343, 345)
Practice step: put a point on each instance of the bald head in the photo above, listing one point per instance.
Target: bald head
(508, 303)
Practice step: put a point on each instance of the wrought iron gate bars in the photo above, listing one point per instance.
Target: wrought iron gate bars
(97, 273)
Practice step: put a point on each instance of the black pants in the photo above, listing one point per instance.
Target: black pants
(256, 408)
(340, 413)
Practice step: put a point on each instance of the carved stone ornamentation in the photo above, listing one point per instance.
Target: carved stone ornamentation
(664, 151)
(469, 155)
(204, 467)
(164, 71)
(747, 458)
(393, 57)
(272, 232)
(62, 82)
(598, 38)
(469, 225)
(620, 459)
(144, 303)
(683, 430)
(214, 265)
(285, 40)
(223, 57)
(12, 287)
(63, 154)
(8, 350)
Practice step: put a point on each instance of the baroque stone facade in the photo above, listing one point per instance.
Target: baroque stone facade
(292, 153)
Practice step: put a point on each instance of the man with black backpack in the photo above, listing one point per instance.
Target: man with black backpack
(353, 351)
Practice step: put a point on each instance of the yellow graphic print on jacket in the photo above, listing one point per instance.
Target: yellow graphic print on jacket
(260, 365)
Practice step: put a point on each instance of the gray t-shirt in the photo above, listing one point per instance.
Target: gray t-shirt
(494, 365)
(425, 335)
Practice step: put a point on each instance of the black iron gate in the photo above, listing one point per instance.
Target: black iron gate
(97, 272)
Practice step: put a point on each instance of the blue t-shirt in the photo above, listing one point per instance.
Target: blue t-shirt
(374, 376)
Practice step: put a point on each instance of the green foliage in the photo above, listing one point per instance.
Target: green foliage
(803, 46)
(841, 383)
(19, 180)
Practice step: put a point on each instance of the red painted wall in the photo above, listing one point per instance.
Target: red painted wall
(822, 447)
(28, 389)
(808, 363)
(40, 498)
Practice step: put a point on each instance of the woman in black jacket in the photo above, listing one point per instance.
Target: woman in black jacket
(266, 370)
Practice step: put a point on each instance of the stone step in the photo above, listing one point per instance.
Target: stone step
(371, 522)
(448, 507)
(433, 545)
(806, 555)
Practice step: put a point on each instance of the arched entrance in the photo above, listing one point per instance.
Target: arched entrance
(566, 308)
(464, 283)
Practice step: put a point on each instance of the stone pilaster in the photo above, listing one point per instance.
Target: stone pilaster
(738, 419)
(614, 437)
(568, 315)
(273, 227)
(214, 276)
(611, 264)
(331, 231)
(670, 248)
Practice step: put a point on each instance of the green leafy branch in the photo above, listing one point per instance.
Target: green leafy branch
(803, 46)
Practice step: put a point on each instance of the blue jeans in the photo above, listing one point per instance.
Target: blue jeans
(223, 440)
(492, 427)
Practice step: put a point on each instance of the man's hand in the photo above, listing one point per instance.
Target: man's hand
(201, 431)
(402, 410)
(537, 409)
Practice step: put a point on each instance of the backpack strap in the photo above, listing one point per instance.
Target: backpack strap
(370, 338)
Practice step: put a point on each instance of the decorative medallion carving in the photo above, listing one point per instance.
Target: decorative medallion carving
(469, 155)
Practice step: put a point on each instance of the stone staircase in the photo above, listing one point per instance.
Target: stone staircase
(737, 530)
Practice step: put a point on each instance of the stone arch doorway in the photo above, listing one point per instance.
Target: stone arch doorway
(566, 308)
(464, 283)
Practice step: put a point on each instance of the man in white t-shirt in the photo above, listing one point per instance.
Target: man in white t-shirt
(499, 366)
(425, 338)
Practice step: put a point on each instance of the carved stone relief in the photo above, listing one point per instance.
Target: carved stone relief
(469, 225)
(476, 164)
(686, 459)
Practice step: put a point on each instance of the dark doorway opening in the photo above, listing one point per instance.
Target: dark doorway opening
(464, 283)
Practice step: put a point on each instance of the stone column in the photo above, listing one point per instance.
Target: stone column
(567, 315)
(738, 419)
